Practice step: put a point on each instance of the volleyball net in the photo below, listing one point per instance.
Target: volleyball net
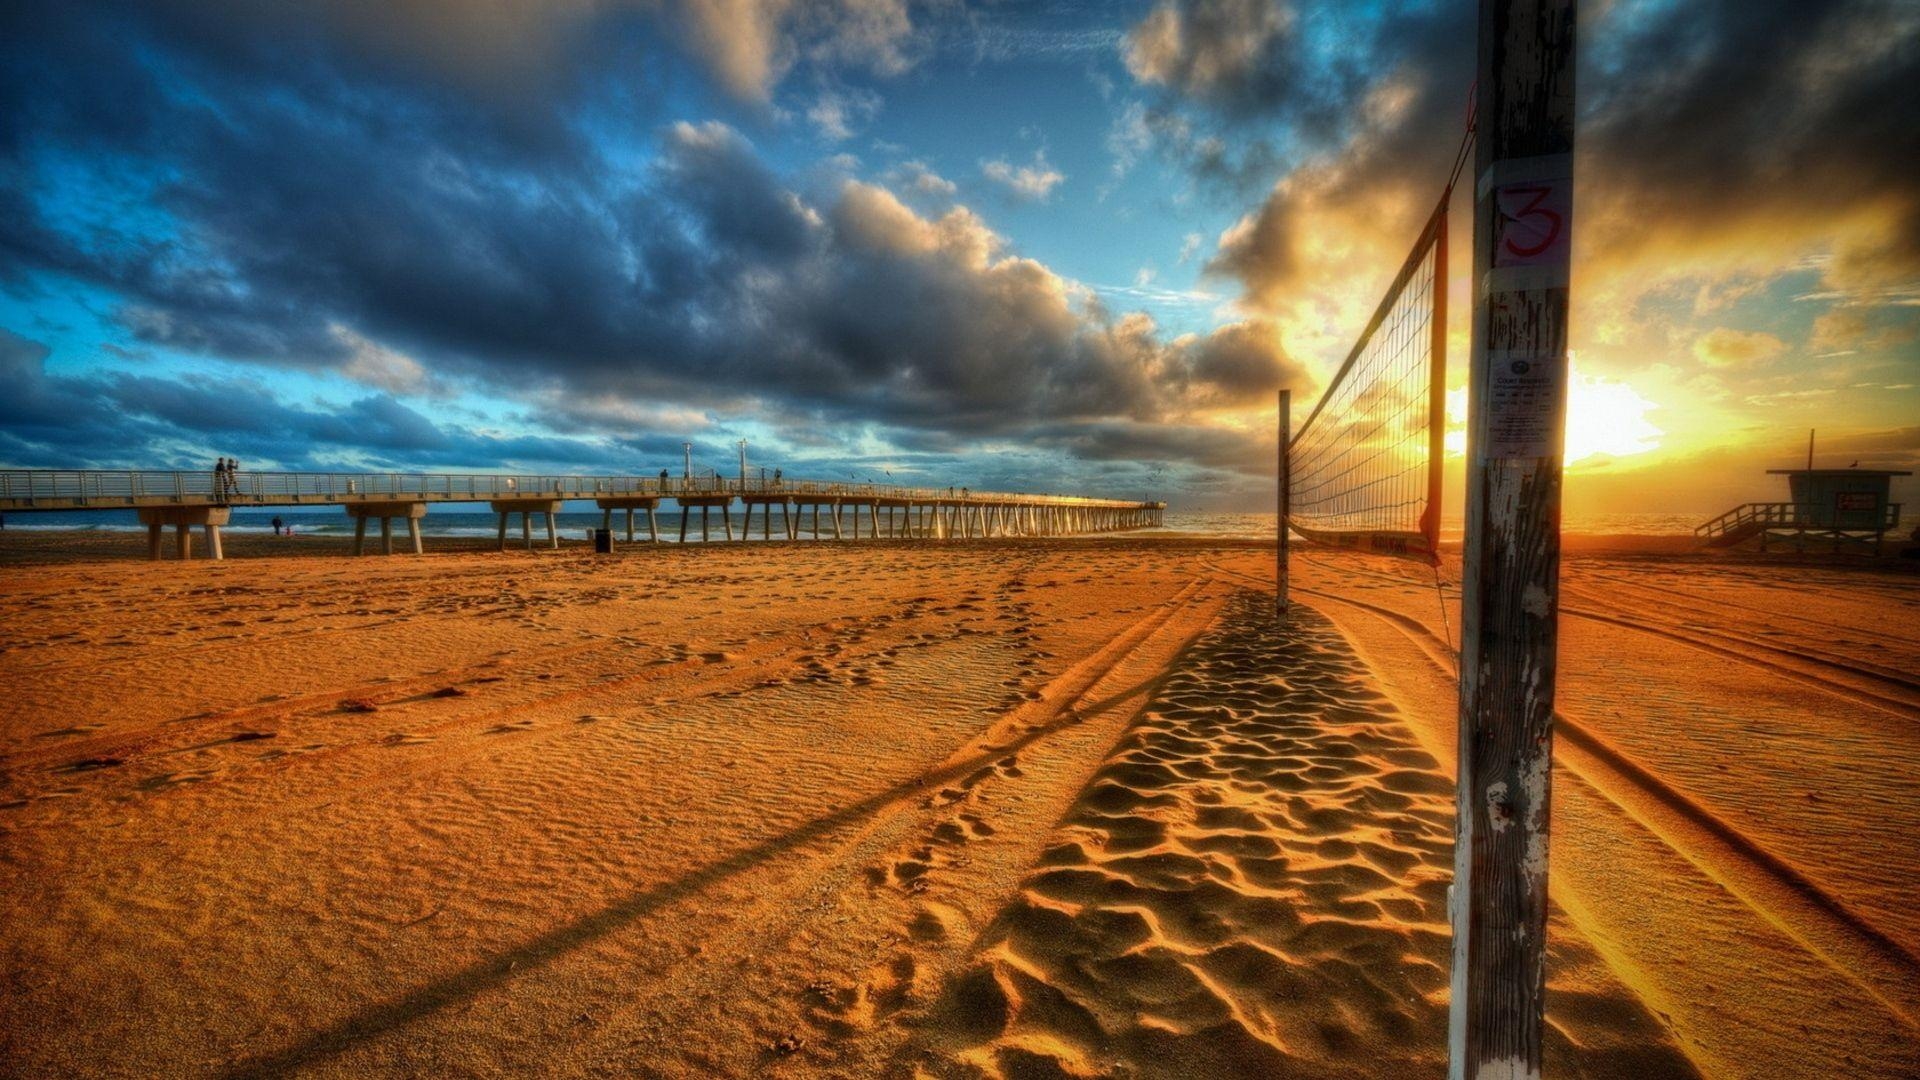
(1364, 470)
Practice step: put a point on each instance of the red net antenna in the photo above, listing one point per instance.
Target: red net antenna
(1364, 469)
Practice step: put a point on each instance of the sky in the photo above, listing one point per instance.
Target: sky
(1070, 246)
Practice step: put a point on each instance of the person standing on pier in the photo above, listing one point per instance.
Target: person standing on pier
(220, 481)
(233, 478)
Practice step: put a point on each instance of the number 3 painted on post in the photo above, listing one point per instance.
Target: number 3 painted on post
(1533, 221)
(1529, 221)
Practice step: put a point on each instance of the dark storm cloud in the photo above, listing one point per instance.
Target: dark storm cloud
(275, 190)
(1721, 125)
(1396, 135)
(1246, 57)
(1727, 117)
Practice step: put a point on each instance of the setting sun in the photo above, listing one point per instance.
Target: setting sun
(1605, 418)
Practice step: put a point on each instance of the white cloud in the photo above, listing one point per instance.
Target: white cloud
(376, 365)
(834, 113)
(916, 177)
(1035, 182)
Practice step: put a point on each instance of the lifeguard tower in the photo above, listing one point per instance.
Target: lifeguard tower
(1845, 507)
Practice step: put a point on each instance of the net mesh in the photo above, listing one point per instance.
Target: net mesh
(1364, 468)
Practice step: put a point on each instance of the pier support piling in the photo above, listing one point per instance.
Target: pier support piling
(184, 519)
(526, 508)
(410, 512)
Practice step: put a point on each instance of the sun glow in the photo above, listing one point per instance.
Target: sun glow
(1605, 419)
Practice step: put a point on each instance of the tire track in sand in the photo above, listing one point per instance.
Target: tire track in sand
(1776, 890)
(834, 850)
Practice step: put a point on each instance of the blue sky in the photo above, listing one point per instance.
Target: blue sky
(1046, 246)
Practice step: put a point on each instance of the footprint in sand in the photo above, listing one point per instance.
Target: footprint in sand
(1245, 850)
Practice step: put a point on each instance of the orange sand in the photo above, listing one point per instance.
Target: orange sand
(877, 809)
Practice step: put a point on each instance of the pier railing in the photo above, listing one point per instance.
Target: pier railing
(69, 489)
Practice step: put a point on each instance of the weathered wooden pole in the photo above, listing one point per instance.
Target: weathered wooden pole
(1283, 499)
(1510, 592)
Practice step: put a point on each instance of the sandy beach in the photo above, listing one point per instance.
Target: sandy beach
(1009, 808)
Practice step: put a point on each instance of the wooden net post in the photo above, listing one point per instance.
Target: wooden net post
(1509, 597)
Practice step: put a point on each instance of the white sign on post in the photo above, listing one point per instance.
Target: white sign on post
(1524, 396)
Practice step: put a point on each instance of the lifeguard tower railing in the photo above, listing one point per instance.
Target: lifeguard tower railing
(1752, 519)
(63, 489)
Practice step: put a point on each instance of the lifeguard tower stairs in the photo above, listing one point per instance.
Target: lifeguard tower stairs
(1841, 508)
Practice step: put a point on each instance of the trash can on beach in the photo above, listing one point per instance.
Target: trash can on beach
(603, 541)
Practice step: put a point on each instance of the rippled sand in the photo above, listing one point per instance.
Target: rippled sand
(874, 809)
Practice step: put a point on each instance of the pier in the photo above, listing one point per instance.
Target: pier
(186, 501)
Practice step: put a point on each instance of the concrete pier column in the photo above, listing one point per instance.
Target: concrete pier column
(410, 512)
(627, 504)
(184, 519)
(836, 522)
(553, 533)
(526, 508)
(703, 523)
(684, 511)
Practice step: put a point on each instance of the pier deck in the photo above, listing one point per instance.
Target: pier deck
(188, 499)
